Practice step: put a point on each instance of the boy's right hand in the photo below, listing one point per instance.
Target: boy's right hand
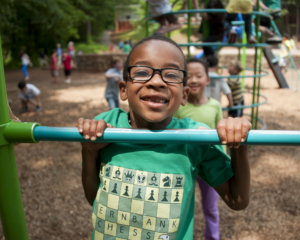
(91, 129)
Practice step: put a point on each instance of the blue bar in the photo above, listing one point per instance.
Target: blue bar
(115, 135)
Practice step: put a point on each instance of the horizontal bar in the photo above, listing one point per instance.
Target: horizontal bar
(221, 44)
(216, 10)
(174, 136)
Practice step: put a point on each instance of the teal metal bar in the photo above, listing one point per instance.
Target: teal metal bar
(217, 10)
(118, 135)
(221, 44)
(11, 207)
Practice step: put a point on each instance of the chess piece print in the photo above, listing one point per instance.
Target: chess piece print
(128, 177)
(115, 189)
(177, 195)
(139, 194)
(151, 196)
(117, 174)
(167, 181)
(126, 192)
(164, 237)
(153, 180)
(107, 170)
(178, 182)
(165, 197)
(104, 188)
(141, 178)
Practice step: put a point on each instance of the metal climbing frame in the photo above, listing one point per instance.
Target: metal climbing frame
(257, 55)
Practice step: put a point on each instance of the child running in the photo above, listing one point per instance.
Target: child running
(208, 111)
(25, 62)
(113, 77)
(54, 66)
(147, 190)
(234, 68)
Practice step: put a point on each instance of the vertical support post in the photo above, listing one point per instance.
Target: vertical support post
(147, 20)
(189, 30)
(244, 58)
(255, 63)
(258, 84)
(11, 207)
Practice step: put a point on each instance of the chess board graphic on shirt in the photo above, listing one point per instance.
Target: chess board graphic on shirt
(137, 205)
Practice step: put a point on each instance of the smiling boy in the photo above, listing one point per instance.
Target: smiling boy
(146, 191)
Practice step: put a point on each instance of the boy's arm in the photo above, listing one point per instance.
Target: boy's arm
(229, 97)
(235, 192)
(113, 75)
(91, 129)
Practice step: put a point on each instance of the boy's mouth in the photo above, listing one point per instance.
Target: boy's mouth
(155, 101)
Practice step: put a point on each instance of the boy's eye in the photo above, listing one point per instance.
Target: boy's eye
(175, 75)
(140, 73)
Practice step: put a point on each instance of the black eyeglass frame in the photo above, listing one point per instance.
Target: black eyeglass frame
(154, 70)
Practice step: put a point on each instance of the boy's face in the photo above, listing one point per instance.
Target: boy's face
(24, 88)
(118, 65)
(232, 70)
(197, 78)
(155, 100)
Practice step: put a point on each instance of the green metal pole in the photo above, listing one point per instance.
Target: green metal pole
(258, 84)
(11, 207)
(189, 30)
(255, 63)
(147, 20)
(244, 41)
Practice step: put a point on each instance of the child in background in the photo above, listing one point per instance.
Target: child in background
(59, 54)
(54, 66)
(167, 23)
(141, 191)
(216, 85)
(216, 27)
(234, 68)
(126, 47)
(66, 58)
(29, 94)
(206, 110)
(113, 77)
(25, 62)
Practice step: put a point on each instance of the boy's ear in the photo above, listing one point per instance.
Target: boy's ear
(208, 80)
(122, 88)
(185, 91)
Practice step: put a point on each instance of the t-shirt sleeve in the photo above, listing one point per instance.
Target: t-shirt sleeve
(215, 168)
(35, 91)
(225, 88)
(109, 71)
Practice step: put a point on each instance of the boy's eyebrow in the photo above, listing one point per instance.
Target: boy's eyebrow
(171, 65)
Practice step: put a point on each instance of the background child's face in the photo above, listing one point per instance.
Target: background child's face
(232, 70)
(155, 100)
(118, 65)
(197, 78)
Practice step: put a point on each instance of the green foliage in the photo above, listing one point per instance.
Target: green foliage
(91, 47)
(33, 24)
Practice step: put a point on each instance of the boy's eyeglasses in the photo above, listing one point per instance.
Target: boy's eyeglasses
(145, 73)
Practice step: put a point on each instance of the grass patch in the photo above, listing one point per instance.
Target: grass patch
(91, 47)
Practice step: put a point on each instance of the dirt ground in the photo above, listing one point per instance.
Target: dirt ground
(50, 172)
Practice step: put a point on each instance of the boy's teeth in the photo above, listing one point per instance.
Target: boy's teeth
(155, 100)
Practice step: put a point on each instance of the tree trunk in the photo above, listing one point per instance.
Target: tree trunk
(88, 30)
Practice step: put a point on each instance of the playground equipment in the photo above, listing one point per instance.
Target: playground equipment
(262, 47)
(11, 207)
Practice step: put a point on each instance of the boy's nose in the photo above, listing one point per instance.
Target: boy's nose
(156, 80)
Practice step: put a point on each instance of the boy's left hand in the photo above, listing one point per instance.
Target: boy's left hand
(233, 131)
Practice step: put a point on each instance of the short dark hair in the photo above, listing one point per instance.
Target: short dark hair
(202, 62)
(286, 35)
(212, 60)
(158, 38)
(116, 59)
(21, 84)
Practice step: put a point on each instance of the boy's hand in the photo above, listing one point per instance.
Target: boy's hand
(91, 129)
(118, 79)
(233, 131)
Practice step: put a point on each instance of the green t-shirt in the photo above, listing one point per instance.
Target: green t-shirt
(147, 190)
(209, 113)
